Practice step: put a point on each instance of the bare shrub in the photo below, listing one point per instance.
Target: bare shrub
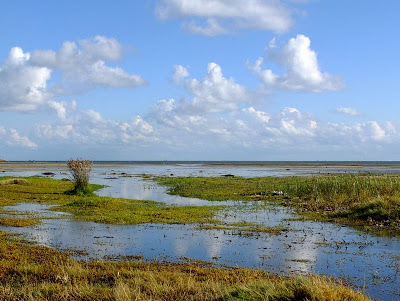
(80, 171)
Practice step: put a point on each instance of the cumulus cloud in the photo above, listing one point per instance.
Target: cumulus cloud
(12, 137)
(215, 17)
(258, 115)
(171, 125)
(216, 93)
(293, 129)
(16, 139)
(83, 65)
(61, 107)
(348, 111)
(179, 115)
(25, 76)
(179, 74)
(213, 94)
(291, 126)
(302, 71)
(89, 127)
(210, 28)
(23, 87)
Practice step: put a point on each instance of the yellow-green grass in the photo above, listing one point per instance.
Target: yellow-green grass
(31, 272)
(19, 221)
(371, 201)
(99, 209)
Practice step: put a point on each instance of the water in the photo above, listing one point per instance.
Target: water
(372, 263)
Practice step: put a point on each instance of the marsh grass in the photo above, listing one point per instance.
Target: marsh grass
(101, 209)
(19, 221)
(371, 201)
(31, 272)
(12, 181)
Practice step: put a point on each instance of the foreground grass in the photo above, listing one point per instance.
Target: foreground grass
(371, 201)
(30, 272)
(95, 208)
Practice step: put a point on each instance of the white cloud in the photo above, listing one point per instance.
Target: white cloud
(211, 28)
(100, 74)
(212, 94)
(22, 87)
(83, 65)
(177, 128)
(302, 68)
(376, 131)
(24, 77)
(16, 139)
(215, 93)
(348, 111)
(291, 125)
(89, 127)
(102, 48)
(61, 107)
(259, 115)
(222, 16)
(11, 137)
(180, 73)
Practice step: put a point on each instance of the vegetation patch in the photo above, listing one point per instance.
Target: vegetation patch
(94, 208)
(122, 211)
(12, 181)
(371, 201)
(18, 221)
(31, 272)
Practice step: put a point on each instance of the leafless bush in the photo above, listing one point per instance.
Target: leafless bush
(80, 171)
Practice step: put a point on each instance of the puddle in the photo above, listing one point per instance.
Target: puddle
(40, 210)
(312, 247)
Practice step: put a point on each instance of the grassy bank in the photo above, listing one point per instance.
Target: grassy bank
(371, 201)
(95, 208)
(30, 272)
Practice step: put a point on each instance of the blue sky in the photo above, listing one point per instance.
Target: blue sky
(199, 80)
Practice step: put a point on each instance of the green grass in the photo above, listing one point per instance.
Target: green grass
(19, 221)
(31, 272)
(371, 201)
(123, 211)
(94, 208)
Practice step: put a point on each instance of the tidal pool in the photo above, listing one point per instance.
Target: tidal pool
(369, 262)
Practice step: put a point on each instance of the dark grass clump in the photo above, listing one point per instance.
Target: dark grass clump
(80, 171)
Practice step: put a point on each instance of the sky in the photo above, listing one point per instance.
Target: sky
(200, 80)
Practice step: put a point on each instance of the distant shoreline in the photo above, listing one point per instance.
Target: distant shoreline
(280, 164)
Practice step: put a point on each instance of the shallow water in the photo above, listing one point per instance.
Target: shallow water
(372, 263)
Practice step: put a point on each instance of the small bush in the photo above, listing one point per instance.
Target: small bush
(80, 171)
